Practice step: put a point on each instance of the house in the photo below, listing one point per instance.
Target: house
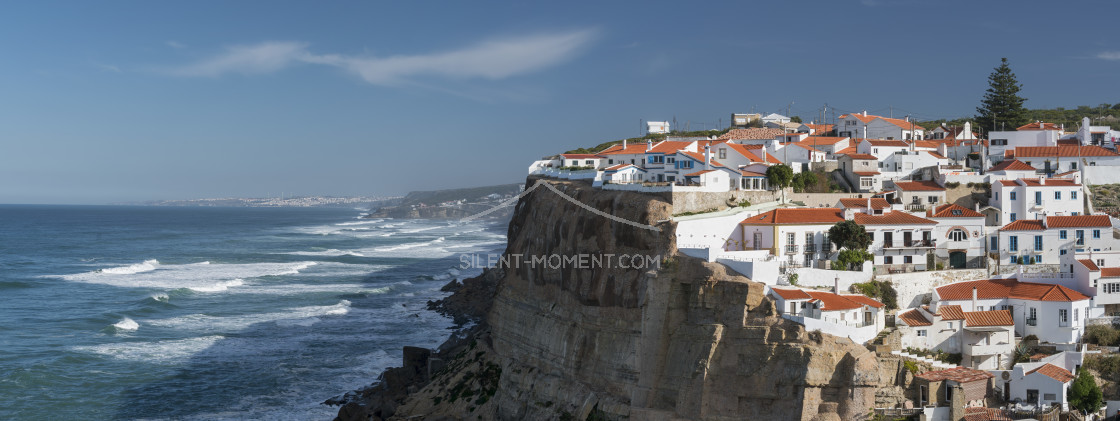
(870, 206)
(900, 241)
(960, 236)
(821, 129)
(943, 132)
(1011, 169)
(1044, 241)
(877, 127)
(1053, 313)
(985, 339)
(1036, 198)
(899, 158)
(1097, 275)
(625, 153)
(798, 236)
(862, 171)
(1037, 134)
(743, 120)
(830, 145)
(854, 316)
(1039, 384)
(581, 160)
(624, 174)
(917, 195)
(657, 127)
(775, 118)
(1056, 159)
(941, 388)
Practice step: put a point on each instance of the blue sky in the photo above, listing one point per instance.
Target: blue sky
(114, 101)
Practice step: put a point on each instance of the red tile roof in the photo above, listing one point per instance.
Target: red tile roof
(1054, 372)
(619, 167)
(751, 174)
(791, 294)
(1008, 288)
(914, 317)
(863, 299)
(819, 128)
(1034, 182)
(698, 173)
(988, 318)
(951, 312)
(1089, 264)
(822, 140)
(1038, 125)
(846, 151)
(956, 211)
(834, 302)
(887, 143)
(1011, 165)
(1069, 142)
(895, 121)
(861, 156)
(1079, 221)
(1066, 151)
(796, 216)
(855, 202)
(699, 157)
(918, 186)
(957, 374)
(669, 146)
(866, 173)
(580, 156)
(1024, 225)
(631, 148)
(1110, 272)
(891, 218)
(754, 133)
(936, 155)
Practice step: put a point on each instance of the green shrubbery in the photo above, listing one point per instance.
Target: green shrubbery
(1101, 335)
(882, 291)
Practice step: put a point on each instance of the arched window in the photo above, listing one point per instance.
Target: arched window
(957, 235)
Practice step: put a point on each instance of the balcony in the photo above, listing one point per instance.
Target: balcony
(792, 249)
(810, 248)
(1032, 321)
(910, 244)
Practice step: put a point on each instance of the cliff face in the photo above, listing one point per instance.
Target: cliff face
(686, 340)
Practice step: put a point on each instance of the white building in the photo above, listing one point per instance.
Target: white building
(1036, 198)
(862, 171)
(1044, 241)
(797, 236)
(900, 241)
(830, 145)
(854, 316)
(581, 160)
(775, 118)
(657, 127)
(1039, 384)
(1011, 169)
(1037, 134)
(1057, 159)
(877, 127)
(960, 236)
(920, 195)
(1053, 313)
(985, 339)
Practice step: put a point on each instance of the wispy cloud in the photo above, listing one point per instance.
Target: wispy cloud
(495, 59)
(175, 44)
(1109, 55)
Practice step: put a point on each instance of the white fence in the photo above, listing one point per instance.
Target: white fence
(812, 277)
(859, 335)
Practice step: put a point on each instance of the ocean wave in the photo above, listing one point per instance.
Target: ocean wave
(146, 266)
(363, 222)
(299, 316)
(407, 246)
(201, 277)
(327, 252)
(158, 352)
(126, 324)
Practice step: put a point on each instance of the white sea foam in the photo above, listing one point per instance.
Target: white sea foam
(327, 252)
(202, 277)
(299, 316)
(160, 297)
(146, 266)
(126, 324)
(363, 222)
(158, 351)
(416, 230)
(406, 246)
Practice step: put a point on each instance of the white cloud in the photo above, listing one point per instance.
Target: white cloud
(175, 44)
(255, 59)
(496, 59)
(1109, 55)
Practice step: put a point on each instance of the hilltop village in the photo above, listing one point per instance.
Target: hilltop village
(981, 262)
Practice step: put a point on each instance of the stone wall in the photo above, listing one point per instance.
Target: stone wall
(705, 201)
(914, 287)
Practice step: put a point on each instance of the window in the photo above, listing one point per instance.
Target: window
(932, 199)
(1058, 195)
(1038, 243)
(1080, 237)
(1100, 262)
(722, 153)
(1075, 213)
(1032, 319)
(670, 160)
(950, 325)
(999, 142)
(809, 239)
(907, 259)
(791, 238)
(956, 212)
(1062, 252)
(1062, 234)
(1063, 317)
(921, 332)
(1013, 243)
(589, 163)
(1014, 259)
(657, 159)
(1012, 195)
(1075, 311)
(888, 260)
(1013, 218)
(957, 235)
(1073, 194)
(995, 243)
(1049, 397)
(1038, 198)
(1096, 233)
(1073, 166)
(610, 161)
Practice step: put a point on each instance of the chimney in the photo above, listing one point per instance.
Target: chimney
(624, 144)
(865, 113)
(967, 134)
(869, 211)
(907, 118)
(973, 298)
(707, 156)
(836, 285)
(649, 145)
(977, 206)
(1042, 180)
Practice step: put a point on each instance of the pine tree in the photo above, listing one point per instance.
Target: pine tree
(1002, 107)
(1084, 393)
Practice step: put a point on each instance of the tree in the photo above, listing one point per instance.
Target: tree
(852, 259)
(1002, 107)
(795, 119)
(779, 175)
(849, 235)
(1084, 393)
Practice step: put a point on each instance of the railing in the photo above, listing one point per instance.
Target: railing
(791, 249)
(911, 244)
(1032, 321)
(810, 248)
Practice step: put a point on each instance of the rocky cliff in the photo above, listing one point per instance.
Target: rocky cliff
(683, 339)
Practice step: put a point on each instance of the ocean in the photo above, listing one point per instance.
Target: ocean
(112, 312)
